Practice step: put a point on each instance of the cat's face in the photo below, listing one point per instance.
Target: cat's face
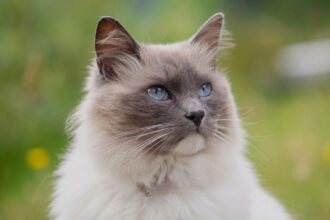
(157, 98)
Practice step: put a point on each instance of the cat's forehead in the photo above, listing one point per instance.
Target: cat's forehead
(176, 54)
(175, 63)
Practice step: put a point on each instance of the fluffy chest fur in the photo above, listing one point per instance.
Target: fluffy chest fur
(218, 184)
(187, 189)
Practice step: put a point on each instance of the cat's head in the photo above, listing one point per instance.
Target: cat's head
(160, 99)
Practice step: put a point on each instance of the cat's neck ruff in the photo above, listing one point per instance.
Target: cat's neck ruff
(193, 163)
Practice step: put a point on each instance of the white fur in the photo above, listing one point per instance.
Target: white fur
(201, 179)
(216, 183)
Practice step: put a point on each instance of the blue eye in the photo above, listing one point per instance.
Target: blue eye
(158, 93)
(205, 90)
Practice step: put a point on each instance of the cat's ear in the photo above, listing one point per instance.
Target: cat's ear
(209, 34)
(112, 43)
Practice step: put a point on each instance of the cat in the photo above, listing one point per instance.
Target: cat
(158, 137)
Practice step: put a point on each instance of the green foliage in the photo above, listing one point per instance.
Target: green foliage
(46, 46)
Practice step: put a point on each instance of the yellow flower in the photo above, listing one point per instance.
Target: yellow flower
(37, 158)
(326, 153)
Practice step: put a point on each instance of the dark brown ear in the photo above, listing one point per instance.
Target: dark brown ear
(209, 33)
(112, 43)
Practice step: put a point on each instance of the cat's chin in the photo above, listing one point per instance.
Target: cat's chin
(189, 146)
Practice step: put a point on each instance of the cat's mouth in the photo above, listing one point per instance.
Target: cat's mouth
(184, 144)
(187, 140)
(198, 130)
(190, 145)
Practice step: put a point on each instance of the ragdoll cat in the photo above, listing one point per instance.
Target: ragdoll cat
(158, 137)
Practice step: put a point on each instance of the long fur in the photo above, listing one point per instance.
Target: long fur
(103, 177)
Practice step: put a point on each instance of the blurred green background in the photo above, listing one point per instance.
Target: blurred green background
(45, 46)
